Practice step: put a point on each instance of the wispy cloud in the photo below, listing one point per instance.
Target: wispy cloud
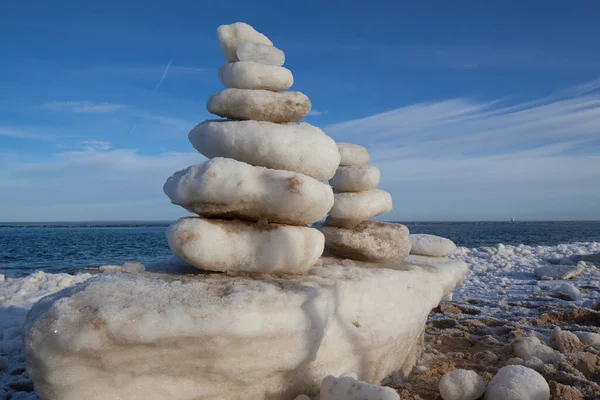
(316, 113)
(164, 75)
(93, 144)
(83, 107)
(20, 134)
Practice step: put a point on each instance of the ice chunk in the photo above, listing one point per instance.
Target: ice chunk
(212, 336)
(369, 241)
(260, 53)
(348, 388)
(252, 75)
(352, 208)
(133, 267)
(353, 154)
(588, 338)
(231, 36)
(530, 346)
(236, 246)
(568, 292)
(356, 178)
(516, 382)
(431, 245)
(259, 105)
(565, 341)
(226, 188)
(300, 147)
(461, 384)
(557, 272)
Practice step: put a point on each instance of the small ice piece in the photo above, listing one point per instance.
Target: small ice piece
(235, 246)
(2, 278)
(259, 105)
(226, 188)
(133, 267)
(252, 75)
(351, 208)
(231, 36)
(355, 178)
(299, 148)
(568, 291)
(348, 388)
(431, 245)
(260, 53)
(353, 154)
(516, 382)
(565, 341)
(420, 369)
(461, 384)
(110, 269)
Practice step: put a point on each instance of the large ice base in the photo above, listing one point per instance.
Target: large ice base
(212, 336)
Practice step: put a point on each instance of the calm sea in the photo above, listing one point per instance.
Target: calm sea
(68, 247)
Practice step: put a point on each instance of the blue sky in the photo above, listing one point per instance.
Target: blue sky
(472, 111)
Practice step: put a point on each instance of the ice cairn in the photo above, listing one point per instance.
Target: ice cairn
(254, 312)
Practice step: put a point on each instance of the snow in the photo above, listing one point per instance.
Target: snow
(252, 75)
(352, 208)
(461, 384)
(224, 187)
(204, 336)
(431, 245)
(355, 178)
(260, 53)
(259, 105)
(235, 246)
(300, 147)
(231, 36)
(369, 241)
(353, 154)
(348, 388)
(516, 382)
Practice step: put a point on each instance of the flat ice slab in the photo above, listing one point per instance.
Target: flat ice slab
(226, 188)
(153, 336)
(236, 246)
(300, 147)
(431, 245)
(348, 388)
(252, 75)
(369, 241)
(260, 53)
(352, 208)
(259, 105)
(353, 154)
(355, 178)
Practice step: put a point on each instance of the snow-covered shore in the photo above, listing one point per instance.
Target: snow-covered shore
(501, 285)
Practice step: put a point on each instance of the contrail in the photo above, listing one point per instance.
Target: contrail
(163, 76)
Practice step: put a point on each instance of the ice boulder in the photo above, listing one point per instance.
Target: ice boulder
(431, 245)
(152, 336)
(516, 382)
(226, 188)
(259, 105)
(355, 178)
(300, 147)
(236, 246)
(352, 208)
(550, 272)
(353, 154)
(260, 53)
(252, 75)
(461, 384)
(348, 388)
(369, 241)
(231, 36)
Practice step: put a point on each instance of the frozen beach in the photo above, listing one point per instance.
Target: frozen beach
(502, 300)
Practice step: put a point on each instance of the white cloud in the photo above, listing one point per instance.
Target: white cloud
(94, 144)
(316, 113)
(463, 159)
(83, 106)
